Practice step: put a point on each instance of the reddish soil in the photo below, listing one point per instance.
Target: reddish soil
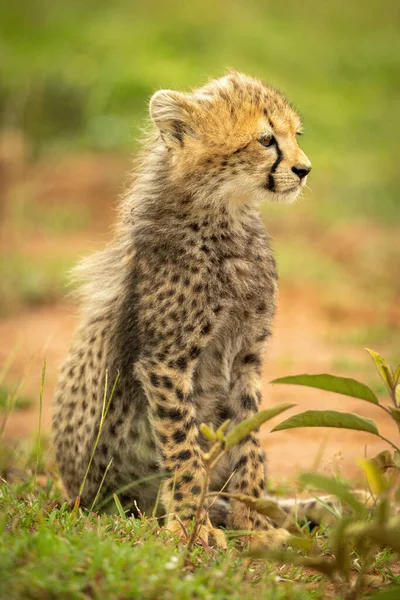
(302, 341)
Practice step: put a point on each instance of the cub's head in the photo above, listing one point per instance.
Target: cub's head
(235, 136)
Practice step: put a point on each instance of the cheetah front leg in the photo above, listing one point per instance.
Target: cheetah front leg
(246, 458)
(165, 370)
(173, 416)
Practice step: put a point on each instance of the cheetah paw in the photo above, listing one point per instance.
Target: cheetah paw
(272, 539)
(206, 533)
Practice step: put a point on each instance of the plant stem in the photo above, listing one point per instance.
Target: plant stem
(38, 445)
(389, 442)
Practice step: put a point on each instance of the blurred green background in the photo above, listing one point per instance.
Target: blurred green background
(75, 80)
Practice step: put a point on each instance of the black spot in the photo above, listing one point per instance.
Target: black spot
(252, 359)
(206, 329)
(196, 489)
(241, 462)
(249, 403)
(183, 455)
(179, 436)
(262, 307)
(178, 496)
(162, 438)
(175, 278)
(256, 492)
(197, 288)
(205, 248)
(167, 382)
(188, 477)
(194, 226)
(174, 485)
(194, 352)
(181, 363)
(173, 414)
(189, 424)
(154, 380)
(225, 413)
(179, 394)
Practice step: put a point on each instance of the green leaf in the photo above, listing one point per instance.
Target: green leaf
(328, 418)
(382, 534)
(331, 383)
(397, 375)
(384, 369)
(373, 474)
(207, 432)
(332, 486)
(248, 425)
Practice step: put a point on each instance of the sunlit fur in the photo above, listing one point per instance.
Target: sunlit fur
(180, 305)
(214, 149)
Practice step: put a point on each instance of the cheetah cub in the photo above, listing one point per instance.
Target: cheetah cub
(180, 305)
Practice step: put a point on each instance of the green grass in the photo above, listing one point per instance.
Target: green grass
(29, 216)
(32, 280)
(20, 403)
(79, 75)
(48, 550)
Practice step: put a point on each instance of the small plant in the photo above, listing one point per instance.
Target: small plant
(366, 524)
(355, 389)
(354, 541)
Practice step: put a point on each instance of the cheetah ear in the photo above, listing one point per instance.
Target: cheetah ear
(172, 114)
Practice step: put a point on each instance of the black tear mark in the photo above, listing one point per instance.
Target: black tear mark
(271, 182)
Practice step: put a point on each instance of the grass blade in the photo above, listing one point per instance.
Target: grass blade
(332, 486)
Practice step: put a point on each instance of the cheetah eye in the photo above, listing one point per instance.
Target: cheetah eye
(267, 141)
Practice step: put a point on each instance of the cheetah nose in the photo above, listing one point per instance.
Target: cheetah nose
(301, 171)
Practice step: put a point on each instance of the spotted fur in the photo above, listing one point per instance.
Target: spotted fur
(181, 303)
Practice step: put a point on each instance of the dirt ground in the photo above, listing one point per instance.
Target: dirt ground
(302, 342)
